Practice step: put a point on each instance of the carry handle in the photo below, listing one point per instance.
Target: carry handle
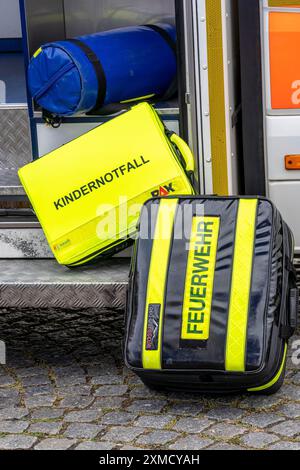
(293, 307)
(185, 151)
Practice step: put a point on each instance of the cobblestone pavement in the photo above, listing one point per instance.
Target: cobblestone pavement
(65, 387)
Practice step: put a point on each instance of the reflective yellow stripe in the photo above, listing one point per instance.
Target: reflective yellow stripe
(37, 52)
(240, 286)
(157, 278)
(276, 378)
(140, 98)
(199, 281)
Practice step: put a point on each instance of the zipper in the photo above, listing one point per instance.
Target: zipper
(53, 80)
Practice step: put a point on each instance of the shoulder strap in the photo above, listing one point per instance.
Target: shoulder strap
(290, 295)
(173, 86)
(291, 269)
(164, 35)
(102, 85)
(114, 108)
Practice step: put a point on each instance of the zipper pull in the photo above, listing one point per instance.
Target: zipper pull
(51, 119)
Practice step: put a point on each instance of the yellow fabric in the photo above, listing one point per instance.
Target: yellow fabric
(37, 52)
(158, 276)
(241, 286)
(134, 144)
(147, 97)
(276, 378)
(199, 281)
(185, 150)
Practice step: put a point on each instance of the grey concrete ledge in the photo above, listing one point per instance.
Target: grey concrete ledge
(45, 284)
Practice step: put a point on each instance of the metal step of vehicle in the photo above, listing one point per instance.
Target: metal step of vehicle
(15, 147)
(21, 235)
(45, 284)
(31, 278)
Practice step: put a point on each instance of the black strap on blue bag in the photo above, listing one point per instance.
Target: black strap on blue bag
(94, 60)
(55, 121)
(114, 108)
(102, 84)
(163, 33)
(289, 325)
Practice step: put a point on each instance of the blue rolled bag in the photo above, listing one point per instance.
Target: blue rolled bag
(86, 74)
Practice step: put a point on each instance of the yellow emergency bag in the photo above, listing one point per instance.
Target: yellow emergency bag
(88, 193)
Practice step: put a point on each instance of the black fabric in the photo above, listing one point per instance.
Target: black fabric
(290, 321)
(176, 354)
(293, 308)
(286, 332)
(114, 108)
(98, 70)
(138, 295)
(290, 294)
(174, 85)
(272, 313)
(51, 119)
(291, 268)
(102, 254)
(164, 35)
(260, 321)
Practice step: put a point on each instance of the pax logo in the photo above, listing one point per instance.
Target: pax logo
(164, 190)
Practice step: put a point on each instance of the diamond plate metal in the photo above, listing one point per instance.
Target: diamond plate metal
(45, 284)
(15, 144)
(71, 296)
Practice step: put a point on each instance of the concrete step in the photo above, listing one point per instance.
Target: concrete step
(46, 284)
